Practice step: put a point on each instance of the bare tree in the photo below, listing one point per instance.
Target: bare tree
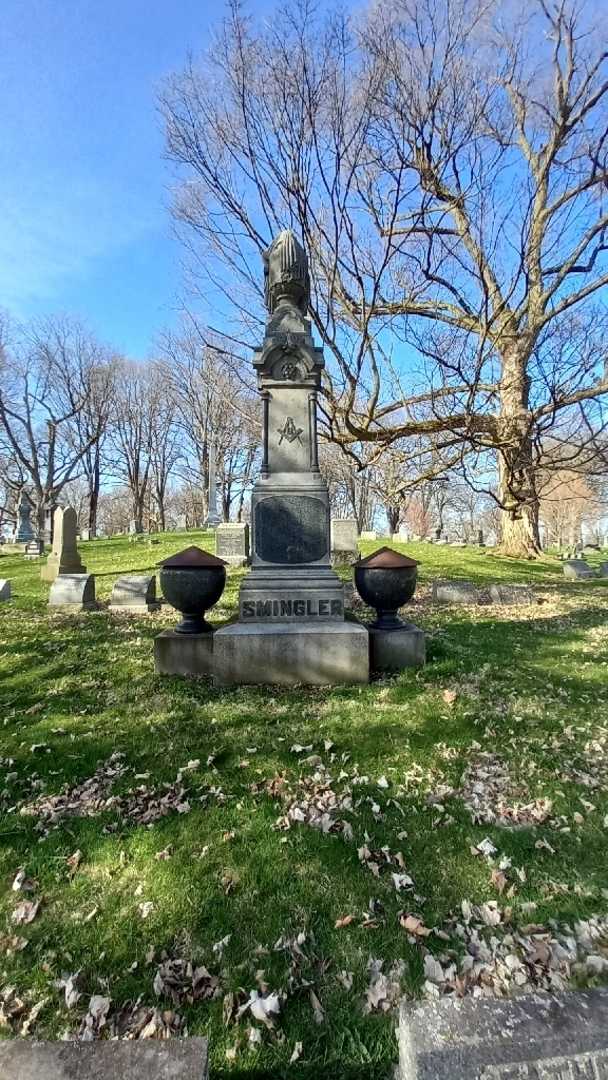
(212, 401)
(445, 165)
(49, 372)
(132, 434)
(88, 430)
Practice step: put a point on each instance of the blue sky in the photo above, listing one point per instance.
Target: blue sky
(84, 224)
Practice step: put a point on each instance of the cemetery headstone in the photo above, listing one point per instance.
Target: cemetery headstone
(182, 521)
(369, 534)
(213, 516)
(24, 531)
(511, 594)
(291, 626)
(5, 589)
(232, 543)
(85, 534)
(577, 569)
(73, 592)
(49, 513)
(531, 1037)
(604, 569)
(132, 526)
(344, 539)
(134, 593)
(64, 558)
(455, 592)
(137, 1059)
(34, 549)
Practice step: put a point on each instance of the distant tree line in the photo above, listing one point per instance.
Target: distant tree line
(117, 437)
(126, 442)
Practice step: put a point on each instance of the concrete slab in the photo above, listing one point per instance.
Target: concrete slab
(394, 650)
(134, 594)
(73, 592)
(149, 1059)
(534, 1036)
(315, 654)
(511, 594)
(577, 570)
(455, 592)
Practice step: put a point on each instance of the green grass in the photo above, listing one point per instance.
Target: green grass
(531, 685)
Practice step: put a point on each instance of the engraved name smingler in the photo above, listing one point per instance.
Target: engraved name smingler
(277, 609)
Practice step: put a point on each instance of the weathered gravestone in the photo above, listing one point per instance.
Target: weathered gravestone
(455, 592)
(532, 1037)
(577, 569)
(34, 549)
(214, 517)
(135, 593)
(5, 589)
(604, 569)
(511, 594)
(147, 1059)
(291, 626)
(73, 592)
(344, 539)
(64, 558)
(232, 543)
(369, 534)
(182, 522)
(132, 527)
(24, 531)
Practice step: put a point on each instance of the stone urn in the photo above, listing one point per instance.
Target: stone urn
(386, 580)
(193, 581)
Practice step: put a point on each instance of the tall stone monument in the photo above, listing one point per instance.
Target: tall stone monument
(24, 531)
(64, 558)
(291, 626)
(213, 516)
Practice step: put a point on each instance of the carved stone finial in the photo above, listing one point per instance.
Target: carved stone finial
(286, 272)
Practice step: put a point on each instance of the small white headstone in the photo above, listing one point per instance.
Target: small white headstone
(344, 535)
(232, 543)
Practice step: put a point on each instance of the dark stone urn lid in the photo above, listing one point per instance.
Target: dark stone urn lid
(386, 559)
(192, 558)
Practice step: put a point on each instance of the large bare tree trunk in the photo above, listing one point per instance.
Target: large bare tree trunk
(520, 535)
(518, 497)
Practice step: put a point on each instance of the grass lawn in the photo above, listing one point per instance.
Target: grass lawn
(271, 867)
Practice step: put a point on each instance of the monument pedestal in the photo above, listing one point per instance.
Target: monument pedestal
(289, 653)
(183, 654)
(393, 650)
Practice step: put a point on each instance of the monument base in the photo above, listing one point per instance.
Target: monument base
(284, 653)
(183, 654)
(393, 650)
(54, 568)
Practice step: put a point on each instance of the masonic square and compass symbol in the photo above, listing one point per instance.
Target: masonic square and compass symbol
(290, 432)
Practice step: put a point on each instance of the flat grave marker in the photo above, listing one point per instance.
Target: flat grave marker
(537, 1036)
